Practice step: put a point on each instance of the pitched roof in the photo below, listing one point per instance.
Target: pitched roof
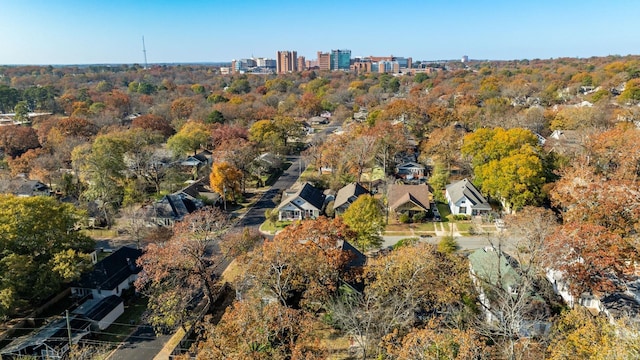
(22, 186)
(401, 194)
(464, 188)
(344, 195)
(493, 267)
(112, 270)
(410, 165)
(103, 308)
(308, 193)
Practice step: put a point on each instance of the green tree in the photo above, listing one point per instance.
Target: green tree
(21, 111)
(9, 97)
(40, 248)
(215, 117)
(240, 86)
(102, 167)
(508, 164)
(631, 93)
(365, 217)
(192, 136)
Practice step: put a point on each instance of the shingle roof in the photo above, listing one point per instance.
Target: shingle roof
(464, 188)
(112, 270)
(401, 194)
(344, 195)
(308, 193)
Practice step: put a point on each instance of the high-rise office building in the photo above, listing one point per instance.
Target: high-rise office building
(287, 61)
(324, 61)
(340, 59)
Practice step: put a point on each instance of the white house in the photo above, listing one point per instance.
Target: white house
(110, 276)
(306, 202)
(465, 199)
(101, 312)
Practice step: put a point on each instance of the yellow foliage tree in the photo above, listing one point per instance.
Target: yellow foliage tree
(225, 179)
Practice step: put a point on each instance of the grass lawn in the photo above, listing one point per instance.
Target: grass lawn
(375, 174)
(427, 226)
(100, 233)
(271, 228)
(126, 323)
(397, 227)
(464, 227)
(445, 212)
(232, 271)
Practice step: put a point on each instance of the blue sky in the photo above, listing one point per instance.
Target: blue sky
(111, 31)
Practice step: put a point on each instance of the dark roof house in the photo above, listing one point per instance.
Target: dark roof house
(303, 203)
(111, 275)
(347, 195)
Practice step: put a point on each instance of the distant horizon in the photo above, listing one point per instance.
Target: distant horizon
(75, 32)
(228, 63)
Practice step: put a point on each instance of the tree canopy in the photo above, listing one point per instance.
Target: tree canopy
(40, 249)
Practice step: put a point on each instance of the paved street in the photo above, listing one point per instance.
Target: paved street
(141, 344)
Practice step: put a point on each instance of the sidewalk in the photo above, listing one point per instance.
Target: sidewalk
(170, 345)
(450, 229)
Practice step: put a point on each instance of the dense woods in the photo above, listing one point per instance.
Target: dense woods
(111, 141)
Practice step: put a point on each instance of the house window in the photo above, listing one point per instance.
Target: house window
(463, 210)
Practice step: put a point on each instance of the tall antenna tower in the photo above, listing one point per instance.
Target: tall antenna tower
(144, 51)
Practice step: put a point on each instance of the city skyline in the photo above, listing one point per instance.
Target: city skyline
(40, 32)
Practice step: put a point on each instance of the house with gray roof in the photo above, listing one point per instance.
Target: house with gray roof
(24, 187)
(305, 202)
(347, 195)
(465, 199)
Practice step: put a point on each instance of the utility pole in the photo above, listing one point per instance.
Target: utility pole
(68, 328)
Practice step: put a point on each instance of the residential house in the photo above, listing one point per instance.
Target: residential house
(501, 288)
(198, 160)
(24, 187)
(306, 202)
(307, 128)
(465, 199)
(173, 207)
(566, 142)
(347, 195)
(318, 120)
(101, 312)
(616, 305)
(110, 276)
(409, 199)
(50, 341)
(410, 170)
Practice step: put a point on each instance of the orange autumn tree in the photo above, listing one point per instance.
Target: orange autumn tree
(304, 264)
(590, 256)
(176, 272)
(253, 330)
